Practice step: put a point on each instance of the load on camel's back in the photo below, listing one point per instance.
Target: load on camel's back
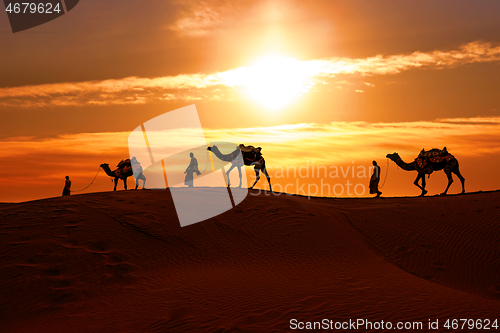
(124, 167)
(251, 155)
(426, 158)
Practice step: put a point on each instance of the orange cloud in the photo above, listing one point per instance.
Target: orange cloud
(225, 85)
(475, 52)
(200, 18)
(464, 136)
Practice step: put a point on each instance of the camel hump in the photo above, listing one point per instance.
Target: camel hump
(249, 149)
(434, 152)
(433, 156)
(124, 163)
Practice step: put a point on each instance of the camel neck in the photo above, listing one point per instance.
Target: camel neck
(406, 166)
(108, 171)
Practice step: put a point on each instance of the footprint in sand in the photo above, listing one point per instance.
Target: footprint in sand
(119, 267)
(60, 284)
(428, 247)
(181, 313)
(112, 259)
(72, 223)
(64, 233)
(60, 297)
(51, 272)
(438, 264)
(69, 243)
(97, 247)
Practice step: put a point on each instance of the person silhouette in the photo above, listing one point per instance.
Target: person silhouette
(67, 187)
(374, 180)
(137, 169)
(193, 167)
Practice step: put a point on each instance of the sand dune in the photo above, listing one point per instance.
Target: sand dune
(120, 262)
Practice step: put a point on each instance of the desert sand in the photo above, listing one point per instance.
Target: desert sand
(120, 262)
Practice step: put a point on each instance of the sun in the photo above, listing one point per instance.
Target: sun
(275, 81)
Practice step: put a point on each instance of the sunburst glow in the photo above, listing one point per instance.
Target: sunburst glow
(277, 81)
(273, 81)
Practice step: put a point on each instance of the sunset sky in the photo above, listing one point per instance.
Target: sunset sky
(315, 83)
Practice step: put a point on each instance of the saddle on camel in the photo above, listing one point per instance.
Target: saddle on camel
(124, 167)
(251, 155)
(425, 158)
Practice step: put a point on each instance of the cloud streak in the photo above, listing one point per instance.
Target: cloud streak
(201, 18)
(228, 84)
(344, 141)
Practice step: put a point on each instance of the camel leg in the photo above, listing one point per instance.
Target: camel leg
(257, 175)
(125, 183)
(227, 174)
(424, 192)
(456, 171)
(116, 183)
(239, 171)
(421, 176)
(264, 170)
(450, 181)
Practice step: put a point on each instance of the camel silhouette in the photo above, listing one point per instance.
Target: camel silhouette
(122, 173)
(448, 166)
(249, 158)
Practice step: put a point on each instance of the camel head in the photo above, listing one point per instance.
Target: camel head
(393, 157)
(104, 165)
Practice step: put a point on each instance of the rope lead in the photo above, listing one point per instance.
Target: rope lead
(98, 170)
(387, 171)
